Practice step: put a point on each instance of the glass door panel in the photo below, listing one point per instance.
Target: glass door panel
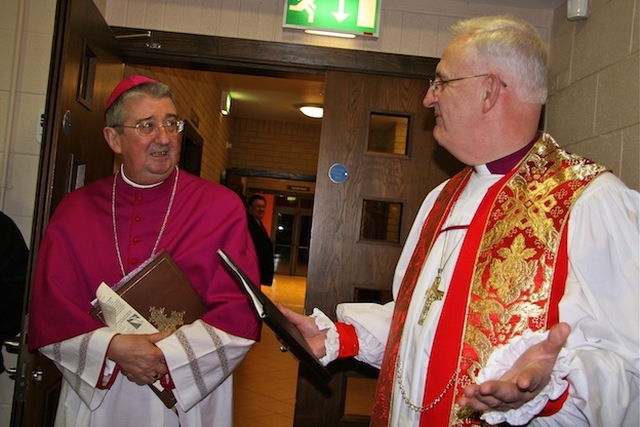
(293, 235)
(285, 223)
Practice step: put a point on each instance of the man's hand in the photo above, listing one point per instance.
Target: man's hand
(307, 326)
(138, 357)
(528, 376)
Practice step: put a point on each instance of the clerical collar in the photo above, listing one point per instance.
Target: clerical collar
(134, 184)
(505, 164)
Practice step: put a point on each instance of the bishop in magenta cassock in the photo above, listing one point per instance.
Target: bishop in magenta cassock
(106, 229)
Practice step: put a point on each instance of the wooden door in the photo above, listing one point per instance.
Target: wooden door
(343, 263)
(85, 66)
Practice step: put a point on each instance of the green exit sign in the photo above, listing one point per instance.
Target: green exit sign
(359, 17)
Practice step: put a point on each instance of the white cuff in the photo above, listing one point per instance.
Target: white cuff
(332, 342)
(503, 358)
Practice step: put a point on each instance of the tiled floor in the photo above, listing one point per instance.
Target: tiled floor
(265, 382)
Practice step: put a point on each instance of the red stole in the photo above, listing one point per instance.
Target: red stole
(517, 241)
(428, 235)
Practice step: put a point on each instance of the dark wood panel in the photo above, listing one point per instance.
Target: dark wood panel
(224, 54)
(346, 261)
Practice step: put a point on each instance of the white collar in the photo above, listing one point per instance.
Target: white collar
(134, 184)
(482, 170)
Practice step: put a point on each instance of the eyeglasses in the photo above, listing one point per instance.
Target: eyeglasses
(149, 128)
(434, 83)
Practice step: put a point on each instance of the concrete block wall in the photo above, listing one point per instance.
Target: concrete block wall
(26, 30)
(594, 103)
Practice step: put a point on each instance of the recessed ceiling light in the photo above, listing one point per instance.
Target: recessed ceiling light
(314, 111)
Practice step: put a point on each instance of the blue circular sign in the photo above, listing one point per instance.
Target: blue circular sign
(338, 173)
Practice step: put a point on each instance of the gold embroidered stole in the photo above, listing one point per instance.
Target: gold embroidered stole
(511, 269)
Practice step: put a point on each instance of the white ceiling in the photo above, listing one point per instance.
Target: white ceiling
(276, 98)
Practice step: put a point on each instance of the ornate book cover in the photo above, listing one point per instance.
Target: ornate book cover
(159, 291)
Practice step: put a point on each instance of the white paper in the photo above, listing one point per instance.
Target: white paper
(122, 318)
(119, 315)
(257, 304)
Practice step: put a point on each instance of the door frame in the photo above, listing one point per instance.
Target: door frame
(263, 58)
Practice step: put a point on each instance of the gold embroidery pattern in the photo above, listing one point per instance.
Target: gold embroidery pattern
(517, 256)
(162, 322)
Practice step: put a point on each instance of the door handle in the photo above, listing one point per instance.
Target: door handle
(36, 375)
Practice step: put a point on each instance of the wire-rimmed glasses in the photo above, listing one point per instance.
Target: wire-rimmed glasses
(435, 83)
(149, 128)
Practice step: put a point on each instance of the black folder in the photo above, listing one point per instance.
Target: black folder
(287, 332)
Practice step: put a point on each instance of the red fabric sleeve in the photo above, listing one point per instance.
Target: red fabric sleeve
(553, 406)
(349, 345)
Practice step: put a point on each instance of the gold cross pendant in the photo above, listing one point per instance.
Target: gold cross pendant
(432, 294)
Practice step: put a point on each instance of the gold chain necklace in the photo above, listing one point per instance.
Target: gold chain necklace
(162, 227)
(430, 406)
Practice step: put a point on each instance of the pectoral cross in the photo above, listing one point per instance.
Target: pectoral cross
(432, 294)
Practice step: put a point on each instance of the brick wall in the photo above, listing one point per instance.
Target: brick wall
(274, 146)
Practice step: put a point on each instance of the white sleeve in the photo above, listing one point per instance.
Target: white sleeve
(200, 357)
(80, 360)
(601, 303)
(372, 323)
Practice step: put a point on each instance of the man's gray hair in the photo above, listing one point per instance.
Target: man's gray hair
(514, 48)
(116, 114)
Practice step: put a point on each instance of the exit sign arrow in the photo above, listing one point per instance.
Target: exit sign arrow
(340, 15)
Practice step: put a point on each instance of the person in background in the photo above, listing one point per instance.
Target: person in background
(102, 232)
(14, 256)
(516, 296)
(256, 207)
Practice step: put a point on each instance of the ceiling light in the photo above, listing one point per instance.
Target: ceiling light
(312, 110)
(330, 34)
